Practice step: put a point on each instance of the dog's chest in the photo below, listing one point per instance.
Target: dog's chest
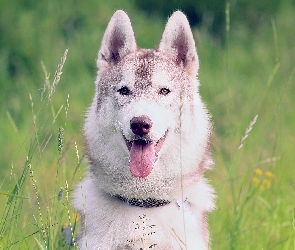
(123, 226)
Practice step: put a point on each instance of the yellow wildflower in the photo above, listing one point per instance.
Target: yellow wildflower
(267, 183)
(258, 171)
(65, 225)
(255, 180)
(269, 174)
(76, 216)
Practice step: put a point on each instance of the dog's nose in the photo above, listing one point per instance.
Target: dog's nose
(141, 125)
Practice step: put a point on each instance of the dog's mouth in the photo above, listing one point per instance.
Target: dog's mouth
(143, 155)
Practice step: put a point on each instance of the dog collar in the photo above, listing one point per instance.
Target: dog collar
(147, 203)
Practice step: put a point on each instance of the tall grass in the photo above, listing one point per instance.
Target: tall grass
(37, 211)
(254, 158)
(253, 175)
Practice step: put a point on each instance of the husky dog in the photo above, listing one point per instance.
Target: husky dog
(147, 142)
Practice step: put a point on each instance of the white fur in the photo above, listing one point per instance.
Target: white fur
(180, 117)
(120, 26)
(175, 225)
(178, 27)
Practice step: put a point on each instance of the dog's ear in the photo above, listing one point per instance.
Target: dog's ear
(177, 41)
(118, 40)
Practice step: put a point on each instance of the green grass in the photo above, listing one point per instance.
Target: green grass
(37, 206)
(254, 76)
(41, 135)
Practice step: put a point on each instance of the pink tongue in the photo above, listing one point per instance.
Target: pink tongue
(142, 158)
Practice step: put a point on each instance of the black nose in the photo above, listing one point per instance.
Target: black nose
(141, 125)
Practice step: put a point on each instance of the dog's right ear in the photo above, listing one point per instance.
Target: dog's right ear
(118, 40)
(178, 42)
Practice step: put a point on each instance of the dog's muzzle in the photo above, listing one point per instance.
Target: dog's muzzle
(143, 150)
(141, 125)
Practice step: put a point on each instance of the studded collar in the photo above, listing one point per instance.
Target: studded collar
(147, 203)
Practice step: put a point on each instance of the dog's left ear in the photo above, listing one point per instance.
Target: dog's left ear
(178, 42)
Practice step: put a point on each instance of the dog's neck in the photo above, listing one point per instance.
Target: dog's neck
(147, 203)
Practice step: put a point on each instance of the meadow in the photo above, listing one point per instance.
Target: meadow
(47, 69)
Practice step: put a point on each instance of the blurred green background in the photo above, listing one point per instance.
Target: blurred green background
(246, 52)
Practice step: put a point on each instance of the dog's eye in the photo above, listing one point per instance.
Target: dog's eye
(124, 91)
(164, 91)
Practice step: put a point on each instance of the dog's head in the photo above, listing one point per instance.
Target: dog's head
(147, 129)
